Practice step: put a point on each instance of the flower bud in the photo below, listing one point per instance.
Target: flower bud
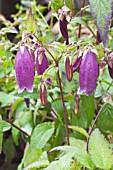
(76, 105)
(43, 94)
(69, 69)
(88, 73)
(27, 101)
(98, 38)
(41, 63)
(102, 66)
(76, 63)
(63, 24)
(24, 67)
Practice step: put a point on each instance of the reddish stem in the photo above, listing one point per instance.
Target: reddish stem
(63, 104)
(81, 13)
(16, 127)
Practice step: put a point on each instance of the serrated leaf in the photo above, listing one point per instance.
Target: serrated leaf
(41, 135)
(62, 164)
(80, 130)
(79, 153)
(102, 11)
(99, 150)
(105, 120)
(57, 4)
(1, 133)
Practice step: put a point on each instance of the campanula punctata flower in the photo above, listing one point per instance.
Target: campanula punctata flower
(88, 73)
(24, 67)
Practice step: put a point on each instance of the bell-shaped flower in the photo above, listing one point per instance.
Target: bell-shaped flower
(76, 63)
(41, 63)
(24, 66)
(63, 24)
(88, 73)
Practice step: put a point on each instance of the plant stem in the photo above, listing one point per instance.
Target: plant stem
(92, 127)
(53, 111)
(81, 13)
(63, 104)
(12, 124)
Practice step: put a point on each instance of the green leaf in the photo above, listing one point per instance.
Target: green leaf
(11, 30)
(62, 164)
(40, 164)
(15, 132)
(6, 99)
(87, 109)
(79, 153)
(1, 133)
(105, 120)
(80, 130)
(99, 150)
(31, 25)
(41, 135)
(57, 4)
(102, 11)
(25, 121)
(70, 5)
(86, 113)
(32, 156)
(77, 142)
(78, 20)
(6, 126)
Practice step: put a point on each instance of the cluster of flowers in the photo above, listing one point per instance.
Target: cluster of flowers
(24, 66)
(85, 63)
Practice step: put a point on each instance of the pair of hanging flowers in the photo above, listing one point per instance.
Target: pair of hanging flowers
(24, 66)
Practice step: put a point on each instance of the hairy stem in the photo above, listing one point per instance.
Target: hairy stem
(63, 104)
(13, 125)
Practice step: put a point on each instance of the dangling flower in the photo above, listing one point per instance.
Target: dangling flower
(69, 69)
(76, 63)
(41, 63)
(88, 73)
(63, 24)
(24, 67)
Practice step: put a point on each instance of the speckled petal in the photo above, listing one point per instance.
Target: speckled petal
(88, 73)
(41, 67)
(24, 66)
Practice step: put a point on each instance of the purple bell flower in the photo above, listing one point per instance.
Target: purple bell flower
(88, 73)
(24, 66)
(63, 24)
(76, 63)
(41, 63)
